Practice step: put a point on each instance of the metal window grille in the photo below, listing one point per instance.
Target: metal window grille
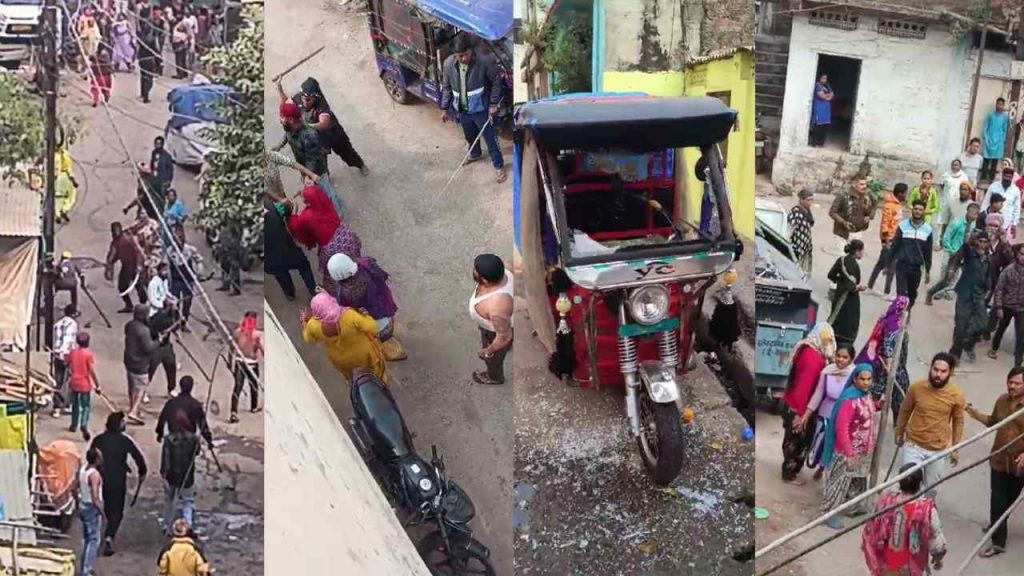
(902, 29)
(833, 19)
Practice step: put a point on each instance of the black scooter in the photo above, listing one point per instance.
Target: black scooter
(421, 489)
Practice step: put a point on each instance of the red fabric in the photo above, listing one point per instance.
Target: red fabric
(916, 524)
(314, 226)
(81, 362)
(291, 111)
(803, 378)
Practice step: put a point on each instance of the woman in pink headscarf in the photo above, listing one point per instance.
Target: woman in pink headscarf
(349, 337)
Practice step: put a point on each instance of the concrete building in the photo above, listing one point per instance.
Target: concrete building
(903, 79)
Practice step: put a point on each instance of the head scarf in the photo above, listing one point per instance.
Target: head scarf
(326, 309)
(822, 338)
(886, 325)
(341, 267)
(916, 526)
(850, 392)
(310, 87)
(314, 226)
(290, 111)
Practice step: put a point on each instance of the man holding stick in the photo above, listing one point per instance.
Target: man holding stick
(139, 347)
(1007, 475)
(116, 447)
(64, 332)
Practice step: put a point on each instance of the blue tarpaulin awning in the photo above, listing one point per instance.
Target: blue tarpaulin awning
(191, 104)
(488, 19)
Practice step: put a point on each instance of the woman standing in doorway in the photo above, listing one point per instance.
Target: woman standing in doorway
(845, 273)
(821, 111)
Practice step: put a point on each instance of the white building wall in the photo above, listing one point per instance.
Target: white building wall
(911, 108)
(325, 513)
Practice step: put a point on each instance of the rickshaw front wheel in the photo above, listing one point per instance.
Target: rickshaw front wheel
(661, 438)
(395, 89)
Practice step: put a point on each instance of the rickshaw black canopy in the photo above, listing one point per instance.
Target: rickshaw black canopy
(635, 123)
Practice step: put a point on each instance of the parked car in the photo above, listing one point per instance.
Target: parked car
(785, 307)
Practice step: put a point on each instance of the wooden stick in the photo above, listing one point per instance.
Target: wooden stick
(109, 404)
(277, 78)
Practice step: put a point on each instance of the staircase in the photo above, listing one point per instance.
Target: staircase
(772, 58)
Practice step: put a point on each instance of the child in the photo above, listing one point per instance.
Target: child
(82, 365)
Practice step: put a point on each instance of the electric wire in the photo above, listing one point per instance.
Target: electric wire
(204, 299)
(868, 518)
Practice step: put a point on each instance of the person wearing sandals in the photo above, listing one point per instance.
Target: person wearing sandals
(491, 306)
(1007, 474)
(849, 442)
(247, 367)
(845, 273)
(471, 92)
(815, 418)
(810, 356)
(903, 540)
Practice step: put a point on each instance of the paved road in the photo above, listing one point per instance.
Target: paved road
(411, 156)
(963, 501)
(230, 503)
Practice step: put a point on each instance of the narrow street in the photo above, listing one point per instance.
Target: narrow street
(411, 156)
(963, 502)
(229, 502)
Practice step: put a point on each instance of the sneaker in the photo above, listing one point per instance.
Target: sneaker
(108, 547)
(971, 357)
(233, 419)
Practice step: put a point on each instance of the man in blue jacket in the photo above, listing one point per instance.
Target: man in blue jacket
(471, 92)
(912, 251)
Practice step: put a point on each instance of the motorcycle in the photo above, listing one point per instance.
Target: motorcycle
(422, 489)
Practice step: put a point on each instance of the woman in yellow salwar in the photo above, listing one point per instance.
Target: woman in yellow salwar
(66, 187)
(349, 336)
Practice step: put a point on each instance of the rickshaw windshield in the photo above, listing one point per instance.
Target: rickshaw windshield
(609, 171)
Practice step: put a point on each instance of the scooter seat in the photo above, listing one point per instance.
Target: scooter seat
(383, 417)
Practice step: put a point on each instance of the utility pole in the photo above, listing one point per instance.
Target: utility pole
(50, 76)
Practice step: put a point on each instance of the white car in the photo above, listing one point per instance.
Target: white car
(773, 215)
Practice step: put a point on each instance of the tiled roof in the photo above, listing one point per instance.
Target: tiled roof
(719, 55)
(20, 212)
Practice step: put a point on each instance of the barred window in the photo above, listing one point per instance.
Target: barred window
(833, 19)
(902, 29)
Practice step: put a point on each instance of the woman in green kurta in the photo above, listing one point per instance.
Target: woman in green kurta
(845, 274)
(927, 192)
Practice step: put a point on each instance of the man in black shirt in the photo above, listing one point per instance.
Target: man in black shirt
(192, 408)
(116, 447)
(317, 113)
(177, 468)
(160, 326)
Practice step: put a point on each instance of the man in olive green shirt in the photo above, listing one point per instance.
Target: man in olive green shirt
(932, 419)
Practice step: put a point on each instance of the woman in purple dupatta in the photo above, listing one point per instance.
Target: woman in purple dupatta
(363, 285)
(121, 36)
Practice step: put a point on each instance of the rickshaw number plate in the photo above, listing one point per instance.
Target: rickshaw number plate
(634, 330)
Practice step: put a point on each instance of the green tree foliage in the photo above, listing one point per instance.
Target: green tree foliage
(567, 55)
(233, 180)
(21, 129)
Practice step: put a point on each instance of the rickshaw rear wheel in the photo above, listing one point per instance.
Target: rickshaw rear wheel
(661, 438)
(395, 89)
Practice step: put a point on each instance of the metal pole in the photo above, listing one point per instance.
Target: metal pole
(50, 75)
(30, 410)
(974, 84)
(876, 457)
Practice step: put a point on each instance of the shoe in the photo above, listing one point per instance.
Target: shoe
(992, 354)
(233, 419)
(236, 292)
(108, 547)
(223, 288)
(928, 301)
(56, 413)
(72, 429)
(484, 378)
(125, 310)
(971, 357)
(86, 436)
(501, 176)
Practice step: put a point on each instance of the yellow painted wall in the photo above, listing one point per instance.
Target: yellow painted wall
(734, 75)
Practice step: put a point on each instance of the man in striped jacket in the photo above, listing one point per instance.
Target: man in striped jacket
(912, 251)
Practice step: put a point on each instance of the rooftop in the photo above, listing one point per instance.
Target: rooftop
(20, 212)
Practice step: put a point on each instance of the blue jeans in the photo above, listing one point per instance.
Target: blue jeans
(185, 503)
(90, 516)
(471, 126)
(325, 183)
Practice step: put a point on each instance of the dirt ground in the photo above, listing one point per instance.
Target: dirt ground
(962, 502)
(229, 504)
(411, 156)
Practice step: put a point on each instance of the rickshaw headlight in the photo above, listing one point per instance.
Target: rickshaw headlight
(649, 305)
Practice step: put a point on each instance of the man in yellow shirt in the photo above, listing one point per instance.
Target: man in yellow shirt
(932, 419)
(183, 556)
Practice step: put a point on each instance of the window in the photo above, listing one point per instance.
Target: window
(831, 19)
(902, 29)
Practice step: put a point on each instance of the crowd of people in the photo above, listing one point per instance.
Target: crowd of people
(352, 309)
(835, 395)
(119, 36)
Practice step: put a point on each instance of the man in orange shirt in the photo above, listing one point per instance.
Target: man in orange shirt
(892, 215)
(82, 365)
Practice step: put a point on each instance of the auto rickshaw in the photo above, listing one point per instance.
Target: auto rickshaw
(609, 254)
(412, 39)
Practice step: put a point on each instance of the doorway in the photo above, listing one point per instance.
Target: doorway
(844, 79)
